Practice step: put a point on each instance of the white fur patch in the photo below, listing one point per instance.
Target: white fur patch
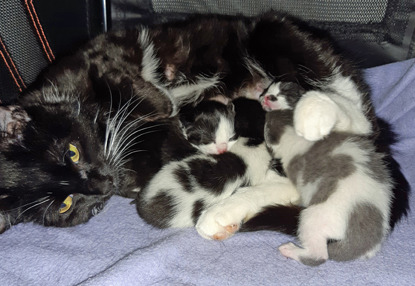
(149, 63)
(339, 108)
(191, 92)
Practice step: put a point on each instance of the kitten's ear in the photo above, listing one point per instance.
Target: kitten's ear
(13, 119)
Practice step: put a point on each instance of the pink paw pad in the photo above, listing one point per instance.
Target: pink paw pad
(229, 231)
(288, 249)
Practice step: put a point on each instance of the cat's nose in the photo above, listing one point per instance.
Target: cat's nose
(222, 148)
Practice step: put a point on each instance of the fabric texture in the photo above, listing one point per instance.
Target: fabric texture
(118, 248)
(34, 33)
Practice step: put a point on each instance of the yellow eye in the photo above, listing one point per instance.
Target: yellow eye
(66, 205)
(73, 153)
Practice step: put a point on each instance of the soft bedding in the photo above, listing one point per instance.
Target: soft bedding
(118, 248)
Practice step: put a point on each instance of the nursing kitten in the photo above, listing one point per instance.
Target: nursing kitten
(206, 128)
(344, 185)
(179, 194)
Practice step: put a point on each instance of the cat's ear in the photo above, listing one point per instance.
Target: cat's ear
(13, 119)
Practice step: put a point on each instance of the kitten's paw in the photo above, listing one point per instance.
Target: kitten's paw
(219, 222)
(315, 116)
(289, 250)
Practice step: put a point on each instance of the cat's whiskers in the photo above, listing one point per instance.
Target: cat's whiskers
(35, 205)
(44, 214)
(126, 143)
(35, 201)
(114, 124)
(121, 136)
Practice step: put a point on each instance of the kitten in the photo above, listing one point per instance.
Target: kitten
(178, 137)
(209, 126)
(344, 185)
(180, 193)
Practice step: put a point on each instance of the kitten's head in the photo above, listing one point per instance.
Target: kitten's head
(281, 95)
(210, 126)
(60, 169)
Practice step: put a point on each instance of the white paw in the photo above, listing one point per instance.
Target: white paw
(289, 250)
(220, 221)
(315, 116)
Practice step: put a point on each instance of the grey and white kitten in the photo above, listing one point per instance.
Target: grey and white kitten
(344, 185)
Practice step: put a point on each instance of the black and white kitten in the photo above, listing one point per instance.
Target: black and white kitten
(180, 193)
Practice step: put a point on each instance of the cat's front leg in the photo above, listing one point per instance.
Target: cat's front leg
(222, 220)
(318, 113)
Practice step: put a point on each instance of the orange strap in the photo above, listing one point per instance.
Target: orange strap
(11, 67)
(39, 30)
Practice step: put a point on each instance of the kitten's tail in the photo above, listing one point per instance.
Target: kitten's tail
(279, 218)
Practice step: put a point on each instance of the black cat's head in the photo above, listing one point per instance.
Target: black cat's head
(60, 163)
(210, 126)
(281, 95)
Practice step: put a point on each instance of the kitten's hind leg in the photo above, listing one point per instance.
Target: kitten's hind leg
(222, 220)
(318, 223)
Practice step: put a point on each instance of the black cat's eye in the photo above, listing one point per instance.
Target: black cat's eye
(66, 205)
(73, 153)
